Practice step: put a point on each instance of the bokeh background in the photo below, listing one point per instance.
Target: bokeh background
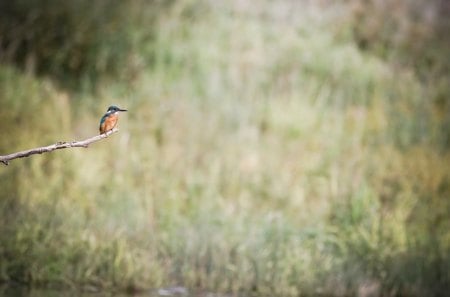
(270, 148)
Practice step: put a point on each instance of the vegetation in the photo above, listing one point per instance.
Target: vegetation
(265, 151)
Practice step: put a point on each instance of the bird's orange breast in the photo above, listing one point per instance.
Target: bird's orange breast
(109, 123)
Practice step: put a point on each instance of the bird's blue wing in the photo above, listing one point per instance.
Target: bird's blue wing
(103, 119)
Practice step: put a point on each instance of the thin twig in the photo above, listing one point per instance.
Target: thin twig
(57, 146)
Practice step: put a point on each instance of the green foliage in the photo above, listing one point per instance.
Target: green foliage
(413, 35)
(76, 42)
(260, 155)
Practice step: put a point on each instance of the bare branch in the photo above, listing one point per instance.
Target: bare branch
(57, 146)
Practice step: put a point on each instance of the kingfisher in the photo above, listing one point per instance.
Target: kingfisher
(109, 120)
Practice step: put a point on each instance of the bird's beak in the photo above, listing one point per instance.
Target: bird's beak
(122, 110)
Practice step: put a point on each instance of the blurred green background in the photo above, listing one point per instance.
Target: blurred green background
(271, 147)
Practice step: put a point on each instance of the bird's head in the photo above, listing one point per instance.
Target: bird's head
(113, 109)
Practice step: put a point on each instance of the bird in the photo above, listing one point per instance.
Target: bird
(110, 118)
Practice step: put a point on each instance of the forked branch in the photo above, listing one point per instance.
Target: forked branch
(57, 146)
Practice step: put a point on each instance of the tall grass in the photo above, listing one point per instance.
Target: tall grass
(260, 154)
(77, 43)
